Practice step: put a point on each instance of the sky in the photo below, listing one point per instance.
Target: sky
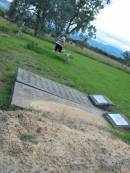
(113, 26)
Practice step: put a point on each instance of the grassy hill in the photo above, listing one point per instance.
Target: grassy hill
(84, 72)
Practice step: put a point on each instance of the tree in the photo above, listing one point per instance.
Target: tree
(126, 56)
(76, 15)
(41, 12)
(65, 15)
(60, 14)
(2, 13)
(23, 10)
(12, 11)
(19, 11)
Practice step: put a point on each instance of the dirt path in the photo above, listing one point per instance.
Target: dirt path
(60, 139)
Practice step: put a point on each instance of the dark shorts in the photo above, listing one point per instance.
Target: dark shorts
(58, 48)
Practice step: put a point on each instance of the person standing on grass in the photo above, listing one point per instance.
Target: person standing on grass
(60, 42)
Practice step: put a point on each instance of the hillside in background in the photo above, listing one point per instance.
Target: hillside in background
(109, 49)
(106, 48)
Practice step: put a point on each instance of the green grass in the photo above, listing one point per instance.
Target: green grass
(83, 73)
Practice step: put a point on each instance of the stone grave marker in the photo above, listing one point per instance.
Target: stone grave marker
(101, 101)
(117, 120)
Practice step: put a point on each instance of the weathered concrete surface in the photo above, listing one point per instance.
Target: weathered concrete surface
(51, 87)
(27, 97)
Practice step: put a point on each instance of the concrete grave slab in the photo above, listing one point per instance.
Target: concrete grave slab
(28, 97)
(117, 120)
(51, 87)
(100, 100)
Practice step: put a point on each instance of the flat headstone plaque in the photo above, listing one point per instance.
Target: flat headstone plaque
(117, 120)
(100, 100)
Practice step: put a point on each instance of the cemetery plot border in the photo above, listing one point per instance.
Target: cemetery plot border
(50, 89)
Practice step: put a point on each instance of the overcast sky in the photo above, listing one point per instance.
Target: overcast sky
(113, 24)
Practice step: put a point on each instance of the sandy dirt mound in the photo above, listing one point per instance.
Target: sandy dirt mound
(65, 141)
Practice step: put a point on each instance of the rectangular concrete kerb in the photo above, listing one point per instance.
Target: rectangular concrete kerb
(49, 86)
(117, 120)
(30, 87)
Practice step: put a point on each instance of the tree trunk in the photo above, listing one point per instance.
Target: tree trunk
(37, 27)
(40, 23)
(37, 24)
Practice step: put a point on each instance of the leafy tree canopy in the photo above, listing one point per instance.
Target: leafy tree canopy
(65, 15)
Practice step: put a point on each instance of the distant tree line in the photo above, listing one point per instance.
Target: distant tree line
(60, 15)
(126, 55)
(2, 13)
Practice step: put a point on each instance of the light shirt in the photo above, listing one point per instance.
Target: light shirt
(61, 40)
